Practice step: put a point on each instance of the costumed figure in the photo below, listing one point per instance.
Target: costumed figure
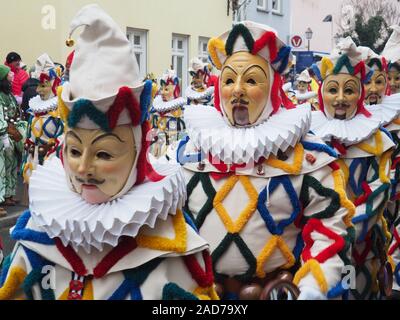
(198, 93)
(365, 151)
(13, 134)
(266, 195)
(44, 126)
(167, 114)
(304, 93)
(392, 54)
(95, 222)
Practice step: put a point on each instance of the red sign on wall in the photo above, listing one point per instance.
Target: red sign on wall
(296, 41)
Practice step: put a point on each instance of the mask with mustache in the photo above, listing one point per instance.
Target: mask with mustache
(245, 89)
(341, 94)
(375, 89)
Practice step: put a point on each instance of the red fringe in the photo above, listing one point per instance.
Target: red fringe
(334, 166)
(269, 39)
(124, 99)
(126, 246)
(72, 257)
(275, 93)
(338, 146)
(360, 258)
(204, 278)
(217, 99)
(363, 199)
(329, 252)
(397, 244)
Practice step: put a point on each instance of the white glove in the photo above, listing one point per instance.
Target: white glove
(309, 293)
(6, 142)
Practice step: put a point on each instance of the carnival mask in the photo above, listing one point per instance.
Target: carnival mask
(167, 92)
(245, 88)
(197, 81)
(375, 88)
(44, 90)
(97, 163)
(341, 93)
(394, 80)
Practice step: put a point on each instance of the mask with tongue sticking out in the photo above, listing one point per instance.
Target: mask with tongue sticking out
(252, 60)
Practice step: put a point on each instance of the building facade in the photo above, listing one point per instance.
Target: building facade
(291, 19)
(162, 33)
(275, 13)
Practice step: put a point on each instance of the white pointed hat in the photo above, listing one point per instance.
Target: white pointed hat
(103, 62)
(44, 64)
(304, 76)
(197, 65)
(392, 48)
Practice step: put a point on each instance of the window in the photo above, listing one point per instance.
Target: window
(262, 5)
(277, 6)
(180, 58)
(138, 40)
(203, 51)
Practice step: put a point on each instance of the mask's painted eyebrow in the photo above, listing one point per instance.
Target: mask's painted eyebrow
(105, 136)
(74, 135)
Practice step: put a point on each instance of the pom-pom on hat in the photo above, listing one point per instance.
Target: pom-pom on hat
(104, 88)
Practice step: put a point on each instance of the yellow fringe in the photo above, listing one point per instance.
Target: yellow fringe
(177, 113)
(13, 283)
(391, 261)
(385, 159)
(35, 132)
(376, 150)
(326, 67)
(206, 293)
(314, 267)
(53, 114)
(246, 214)
(396, 121)
(27, 166)
(344, 201)
(268, 250)
(162, 123)
(295, 167)
(345, 169)
(164, 244)
(62, 107)
(214, 45)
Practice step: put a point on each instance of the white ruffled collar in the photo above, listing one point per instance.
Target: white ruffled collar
(37, 105)
(389, 108)
(347, 132)
(64, 214)
(209, 132)
(161, 106)
(196, 95)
